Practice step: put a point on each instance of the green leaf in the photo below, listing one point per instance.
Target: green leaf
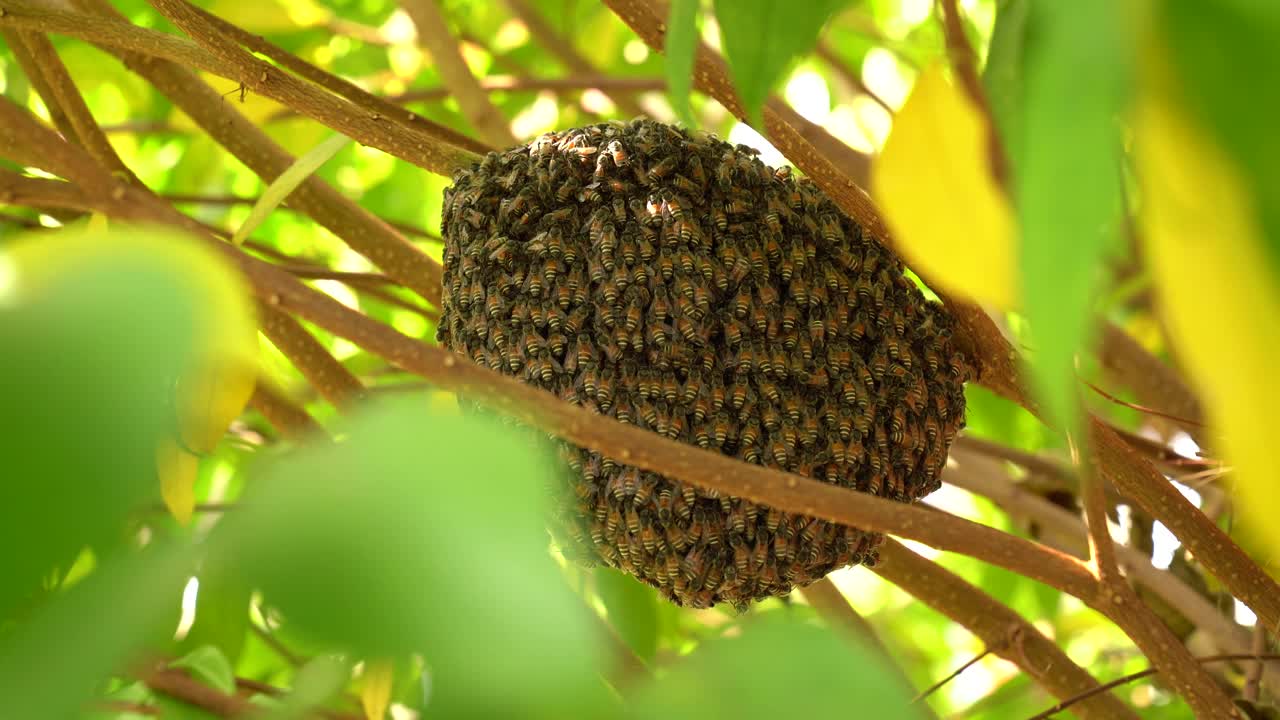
(762, 37)
(1003, 74)
(682, 44)
(385, 545)
(222, 613)
(53, 663)
(289, 180)
(208, 665)
(104, 321)
(777, 667)
(632, 608)
(1078, 65)
(1218, 50)
(315, 684)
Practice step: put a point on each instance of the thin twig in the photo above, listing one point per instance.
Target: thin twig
(1141, 408)
(1155, 383)
(1126, 679)
(1253, 678)
(952, 675)
(847, 74)
(434, 35)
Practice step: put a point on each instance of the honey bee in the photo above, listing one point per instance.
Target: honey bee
(666, 267)
(737, 395)
(663, 168)
(618, 153)
(719, 218)
(688, 329)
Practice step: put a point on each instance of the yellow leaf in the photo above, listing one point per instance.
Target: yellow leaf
(375, 693)
(934, 185)
(97, 222)
(177, 469)
(1216, 292)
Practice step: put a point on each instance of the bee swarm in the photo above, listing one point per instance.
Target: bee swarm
(675, 282)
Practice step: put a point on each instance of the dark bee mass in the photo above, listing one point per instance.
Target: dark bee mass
(675, 282)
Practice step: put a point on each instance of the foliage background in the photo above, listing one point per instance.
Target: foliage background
(859, 76)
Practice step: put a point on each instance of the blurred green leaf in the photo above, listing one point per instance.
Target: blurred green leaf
(761, 38)
(53, 664)
(1077, 74)
(1224, 53)
(682, 43)
(222, 613)
(90, 395)
(315, 684)
(385, 545)
(777, 667)
(1003, 74)
(208, 665)
(632, 608)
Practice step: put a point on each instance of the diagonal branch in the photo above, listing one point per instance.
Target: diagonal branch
(292, 421)
(433, 33)
(328, 376)
(999, 628)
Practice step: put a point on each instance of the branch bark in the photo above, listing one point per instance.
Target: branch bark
(292, 421)
(328, 376)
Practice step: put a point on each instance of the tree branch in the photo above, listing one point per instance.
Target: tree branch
(328, 376)
(292, 421)
(1000, 629)
(983, 476)
(228, 60)
(359, 229)
(1155, 383)
(433, 33)
(64, 95)
(1155, 639)
(1136, 479)
(411, 122)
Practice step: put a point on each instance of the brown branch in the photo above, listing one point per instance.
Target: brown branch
(999, 628)
(983, 476)
(292, 421)
(1124, 680)
(328, 376)
(563, 49)
(1138, 480)
(836, 611)
(1155, 639)
(434, 35)
(421, 128)
(359, 229)
(124, 706)
(1253, 678)
(17, 41)
(65, 95)
(179, 685)
(228, 60)
(183, 198)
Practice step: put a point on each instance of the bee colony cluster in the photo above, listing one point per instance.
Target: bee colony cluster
(677, 283)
